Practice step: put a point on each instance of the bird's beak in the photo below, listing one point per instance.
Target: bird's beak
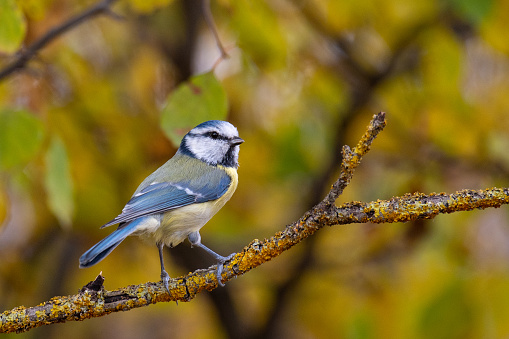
(236, 141)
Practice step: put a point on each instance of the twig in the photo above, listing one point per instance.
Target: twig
(24, 55)
(352, 159)
(209, 18)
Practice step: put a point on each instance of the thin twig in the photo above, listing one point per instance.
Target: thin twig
(25, 55)
(209, 18)
(352, 159)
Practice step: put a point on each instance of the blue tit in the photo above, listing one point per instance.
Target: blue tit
(175, 201)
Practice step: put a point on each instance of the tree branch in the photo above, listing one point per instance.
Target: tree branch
(94, 300)
(24, 55)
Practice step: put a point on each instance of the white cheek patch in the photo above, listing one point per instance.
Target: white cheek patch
(209, 150)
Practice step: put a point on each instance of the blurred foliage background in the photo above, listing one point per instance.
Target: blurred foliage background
(93, 114)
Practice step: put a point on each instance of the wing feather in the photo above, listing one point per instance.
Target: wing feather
(161, 197)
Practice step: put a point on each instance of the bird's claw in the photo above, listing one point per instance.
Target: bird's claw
(220, 264)
(165, 278)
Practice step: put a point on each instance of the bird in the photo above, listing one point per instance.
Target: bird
(180, 197)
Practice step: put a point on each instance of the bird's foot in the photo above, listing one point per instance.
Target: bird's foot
(220, 263)
(165, 278)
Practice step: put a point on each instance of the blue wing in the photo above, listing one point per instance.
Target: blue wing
(161, 197)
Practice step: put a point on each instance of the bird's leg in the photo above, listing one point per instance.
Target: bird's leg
(195, 240)
(164, 275)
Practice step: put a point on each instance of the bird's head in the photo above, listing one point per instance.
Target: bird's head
(214, 142)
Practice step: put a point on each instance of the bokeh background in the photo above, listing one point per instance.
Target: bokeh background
(80, 128)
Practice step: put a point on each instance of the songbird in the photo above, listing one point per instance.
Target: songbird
(178, 199)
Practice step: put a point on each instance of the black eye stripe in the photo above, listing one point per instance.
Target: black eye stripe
(215, 135)
(211, 134)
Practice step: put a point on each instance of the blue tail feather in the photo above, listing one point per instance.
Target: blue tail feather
(104, 247)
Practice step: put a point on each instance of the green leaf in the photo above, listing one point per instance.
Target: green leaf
(58, 182)
(20, 138)
(12, 27)
(473, 10)
(200, 99)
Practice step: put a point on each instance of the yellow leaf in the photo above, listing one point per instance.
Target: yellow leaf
(147, 6)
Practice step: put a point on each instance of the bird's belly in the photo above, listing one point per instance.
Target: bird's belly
(173, 227)
(177, 224)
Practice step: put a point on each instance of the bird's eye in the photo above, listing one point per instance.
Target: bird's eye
(214, 135)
